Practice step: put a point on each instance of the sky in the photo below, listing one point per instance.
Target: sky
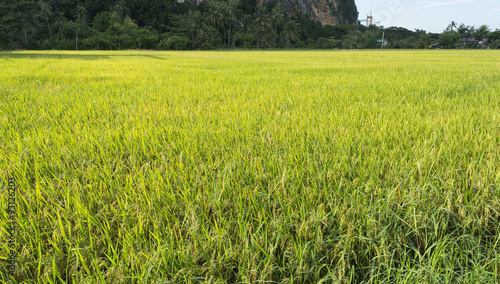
(432, 16)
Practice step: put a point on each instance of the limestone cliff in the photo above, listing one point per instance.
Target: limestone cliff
(327, 12)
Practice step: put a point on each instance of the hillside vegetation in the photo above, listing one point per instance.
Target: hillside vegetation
(218, 24)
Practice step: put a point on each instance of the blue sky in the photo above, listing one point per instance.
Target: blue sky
(432, 16)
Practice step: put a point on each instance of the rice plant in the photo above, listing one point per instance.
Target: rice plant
(251, 167)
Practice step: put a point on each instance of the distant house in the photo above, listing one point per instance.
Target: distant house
(434, 45)
(470, 41)
(484, 41)
(385, 42)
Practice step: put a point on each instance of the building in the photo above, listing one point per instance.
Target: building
(385, 42)
(472, 41)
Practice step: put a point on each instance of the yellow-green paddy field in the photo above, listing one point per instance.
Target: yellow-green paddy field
(250, 167)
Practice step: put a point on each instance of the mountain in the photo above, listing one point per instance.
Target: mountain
(327, 12)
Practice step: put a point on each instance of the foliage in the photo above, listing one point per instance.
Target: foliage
(227, 24)
(347, 12)
(449, 39)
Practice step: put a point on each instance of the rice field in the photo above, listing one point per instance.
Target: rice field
(251, 167)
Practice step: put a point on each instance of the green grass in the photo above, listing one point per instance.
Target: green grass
(252, 167)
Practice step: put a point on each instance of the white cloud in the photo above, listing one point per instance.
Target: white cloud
(441, 4)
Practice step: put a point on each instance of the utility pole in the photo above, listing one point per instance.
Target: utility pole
(382, 43)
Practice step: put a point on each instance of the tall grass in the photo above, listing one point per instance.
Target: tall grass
(252, 167)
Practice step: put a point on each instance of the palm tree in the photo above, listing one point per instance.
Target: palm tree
(495, 44)
(214, 15)
(60, 22)
(482, 32)
(80, 15)
(121, 8)
(290, 32)
(196, 27)
(81, 21)
(261, 20)
(276, 18)
(452, 25)
(465, 31)
(46, 11)
(245, 27)
(231, 20)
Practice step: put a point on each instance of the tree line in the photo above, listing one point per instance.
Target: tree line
(217, 24)
(464, 36)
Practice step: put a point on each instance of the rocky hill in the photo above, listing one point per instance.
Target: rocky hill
(327, 12)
